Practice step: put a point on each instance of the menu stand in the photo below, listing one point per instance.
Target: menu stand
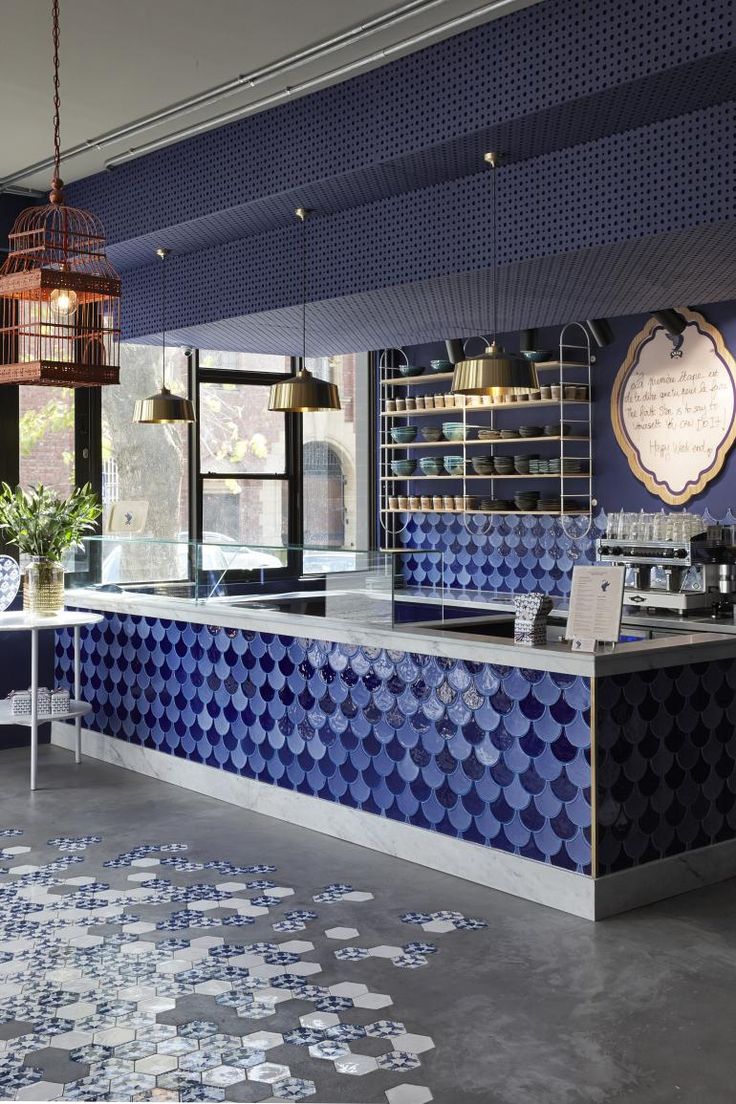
(67, 619)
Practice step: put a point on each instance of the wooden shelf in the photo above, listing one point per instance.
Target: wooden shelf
(431, 377)
(489, 444)
(467, 478)
(527, 404)
(413, 381)
(497, 513)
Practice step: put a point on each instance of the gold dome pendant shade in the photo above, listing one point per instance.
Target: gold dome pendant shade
(496, 372)
(303, 393)
(164, 407)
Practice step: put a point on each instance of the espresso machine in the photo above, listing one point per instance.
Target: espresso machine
(671, 566)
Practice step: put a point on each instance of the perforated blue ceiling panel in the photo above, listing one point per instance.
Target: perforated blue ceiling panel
(515, 70)
(392, 162)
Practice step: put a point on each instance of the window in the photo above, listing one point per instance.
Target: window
(246, 466)
(46, 437)
(336, 458)
(144, 467)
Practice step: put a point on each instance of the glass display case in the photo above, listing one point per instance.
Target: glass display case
(340, 583)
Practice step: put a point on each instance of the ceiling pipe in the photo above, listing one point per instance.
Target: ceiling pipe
(211, 96)
(313, 83)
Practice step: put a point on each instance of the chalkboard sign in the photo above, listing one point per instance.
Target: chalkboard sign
(673, 407)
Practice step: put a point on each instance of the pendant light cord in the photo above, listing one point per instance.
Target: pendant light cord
(56, 196)
(491, 159)
(304, 290)
(163, 254)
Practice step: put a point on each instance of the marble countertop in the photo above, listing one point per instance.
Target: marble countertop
(697, 646)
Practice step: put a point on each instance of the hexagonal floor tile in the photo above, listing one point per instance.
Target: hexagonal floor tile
(294, 1088)
(263, 1040)
(385, 951)
(268, 1072)
(373, 1000)
(414, 1044)
(342, 933)
(357, 1065)
(319, 1019)
(398, 1060)
(222, 1076)
(156, 1064)
(409, 1094)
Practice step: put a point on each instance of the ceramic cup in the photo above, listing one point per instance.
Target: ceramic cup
(390, 405)
(420, 402)
(426, 502)
(413, 503)
(403, 502)
(401, 404)
(393, 502)
(545, 392)
(411, 403)
(437, 502)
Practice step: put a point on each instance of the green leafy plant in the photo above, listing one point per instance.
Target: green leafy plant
(40, 523)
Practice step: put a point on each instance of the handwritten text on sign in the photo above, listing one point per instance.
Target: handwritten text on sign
(673, 408)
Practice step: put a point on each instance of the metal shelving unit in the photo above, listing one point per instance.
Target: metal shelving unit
(572, 368)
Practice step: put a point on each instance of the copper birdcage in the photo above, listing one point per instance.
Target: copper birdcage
(59, 301)
(59, 294)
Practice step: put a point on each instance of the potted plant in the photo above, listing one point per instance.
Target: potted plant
(44, 527)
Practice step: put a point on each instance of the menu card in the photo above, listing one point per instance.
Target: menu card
(595, 606)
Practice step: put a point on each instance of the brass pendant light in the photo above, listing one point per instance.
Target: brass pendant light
(59, 293)
(303, 392)
(496, 372)
(164, 406)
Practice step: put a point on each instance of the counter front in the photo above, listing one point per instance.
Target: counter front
(591, 783)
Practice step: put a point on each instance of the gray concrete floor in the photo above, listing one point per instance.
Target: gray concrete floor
(539, 1006)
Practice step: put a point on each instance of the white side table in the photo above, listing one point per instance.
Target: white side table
(23, 622)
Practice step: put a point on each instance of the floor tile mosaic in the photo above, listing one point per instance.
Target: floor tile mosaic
(90, 972)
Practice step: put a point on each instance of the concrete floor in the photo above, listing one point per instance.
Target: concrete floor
(537, 1006)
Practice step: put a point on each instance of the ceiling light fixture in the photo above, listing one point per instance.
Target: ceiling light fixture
(163, 407)
(671, 321)
(496, 372)
(600, 331)
(59, 294)
(303, 392)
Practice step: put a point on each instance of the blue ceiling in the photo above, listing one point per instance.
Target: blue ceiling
(616, 119)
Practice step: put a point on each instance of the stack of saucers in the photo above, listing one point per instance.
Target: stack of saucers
(550, 503)
(509, 434)
(489, 434)
(522, 463)
(572, 466)
(531, 430)
(540, 465)
(526, 501)
(496, 505)
(557, 429)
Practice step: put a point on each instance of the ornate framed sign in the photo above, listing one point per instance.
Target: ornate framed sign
(673, 407)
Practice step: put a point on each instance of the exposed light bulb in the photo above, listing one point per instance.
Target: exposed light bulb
(63, 301)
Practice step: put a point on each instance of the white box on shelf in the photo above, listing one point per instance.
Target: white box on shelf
(20, 703)
(60, 701)
(43, 701)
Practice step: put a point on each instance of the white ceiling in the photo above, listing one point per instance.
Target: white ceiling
(122, 61)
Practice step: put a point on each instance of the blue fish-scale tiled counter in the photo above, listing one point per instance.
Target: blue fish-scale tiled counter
(494, 755)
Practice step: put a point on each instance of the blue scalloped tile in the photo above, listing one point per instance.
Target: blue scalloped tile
(491, 754)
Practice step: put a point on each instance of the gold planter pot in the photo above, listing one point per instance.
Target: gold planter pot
(43, 587)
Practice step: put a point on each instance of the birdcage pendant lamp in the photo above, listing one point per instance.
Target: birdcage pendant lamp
(59, 293)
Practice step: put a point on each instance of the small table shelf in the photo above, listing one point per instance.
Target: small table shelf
(24, 622)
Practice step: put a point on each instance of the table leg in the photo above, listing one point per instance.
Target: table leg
(34, 706)
(77, 693)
